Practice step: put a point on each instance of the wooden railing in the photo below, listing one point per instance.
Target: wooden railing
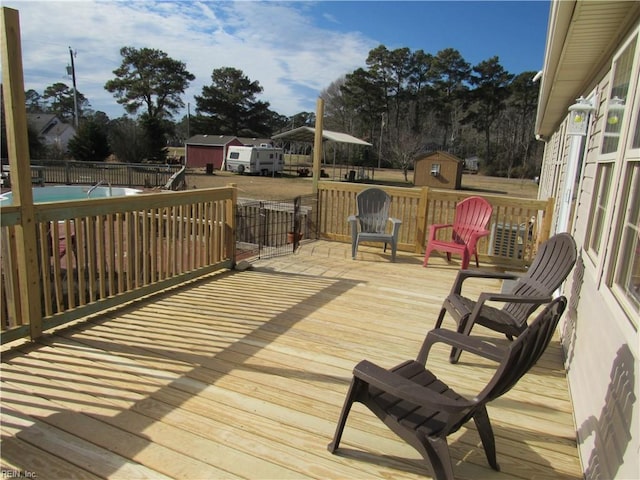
(99, 253)
(517, 225)
(71, 172)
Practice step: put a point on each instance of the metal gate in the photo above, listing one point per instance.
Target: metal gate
(268, 228)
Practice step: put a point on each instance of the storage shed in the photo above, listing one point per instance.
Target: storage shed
(208, 151)
(438, 170)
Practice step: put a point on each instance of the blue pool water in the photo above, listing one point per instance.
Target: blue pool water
(61, 193)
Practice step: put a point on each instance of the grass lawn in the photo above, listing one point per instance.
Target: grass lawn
(286, 187)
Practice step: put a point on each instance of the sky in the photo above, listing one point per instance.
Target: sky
(294, 49)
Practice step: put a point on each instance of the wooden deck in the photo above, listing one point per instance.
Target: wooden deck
(243, 374)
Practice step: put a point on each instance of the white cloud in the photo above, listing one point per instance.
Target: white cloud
(274, 43)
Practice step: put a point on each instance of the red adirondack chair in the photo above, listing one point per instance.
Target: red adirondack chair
(469, 225)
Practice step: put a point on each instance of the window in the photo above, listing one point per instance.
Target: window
(628, 276)
(618, 98)
(622, 274)
(234, 155)
(599, 204)
(636, 136)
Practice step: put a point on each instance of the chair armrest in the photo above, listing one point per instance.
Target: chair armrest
(401, 387)
(477, 235)
(500, 297)
(463, 342)
(352, 218)
(465, 274)
(433, 229)
(395, 225)
(508, 298)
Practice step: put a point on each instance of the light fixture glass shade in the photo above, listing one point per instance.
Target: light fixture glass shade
(578, 116)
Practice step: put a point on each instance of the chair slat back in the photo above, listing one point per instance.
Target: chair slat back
(551, 266)
(525, 350)
(472, 215)
(373, 210)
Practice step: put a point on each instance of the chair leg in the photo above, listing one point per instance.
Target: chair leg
(354, 389)
(465, 259)
(354, 249)
(436, 452)
(477, 263)
(443, 311)
(462, 328)
(427, 254)
(483, 424)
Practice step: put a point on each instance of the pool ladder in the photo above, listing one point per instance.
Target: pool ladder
(101, 182)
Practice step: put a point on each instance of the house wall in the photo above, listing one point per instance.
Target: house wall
(450, 172)
(198, 156)
(599, 331)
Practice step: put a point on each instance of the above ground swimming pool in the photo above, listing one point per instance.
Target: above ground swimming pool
(62, 193)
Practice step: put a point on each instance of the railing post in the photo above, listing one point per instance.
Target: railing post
(421, 230)
(547, 218)
(230, 225)
(19, 165)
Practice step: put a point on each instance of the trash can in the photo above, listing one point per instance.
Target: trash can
(352, 175)
(209, 169)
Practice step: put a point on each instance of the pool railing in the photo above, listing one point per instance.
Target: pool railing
(100, 253)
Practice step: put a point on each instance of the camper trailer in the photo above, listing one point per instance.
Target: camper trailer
(263, 160)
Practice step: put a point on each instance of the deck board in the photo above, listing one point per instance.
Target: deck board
(243, 374)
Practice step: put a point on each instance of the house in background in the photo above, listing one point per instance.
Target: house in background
(438, 170)
(208, 151)
(589, 118)
(472, 164)
(256, 142)
(51, 130)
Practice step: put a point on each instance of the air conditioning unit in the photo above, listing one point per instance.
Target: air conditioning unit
(507, 240)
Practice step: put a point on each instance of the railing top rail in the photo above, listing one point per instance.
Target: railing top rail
(441, 194)
(107, 165)
(102, 206)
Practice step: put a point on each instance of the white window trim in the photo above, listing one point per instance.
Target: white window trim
(607, 259)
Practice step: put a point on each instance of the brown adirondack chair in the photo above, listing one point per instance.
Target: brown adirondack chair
(369, 224)
(423, 410)
(550, 267)
(469, 226)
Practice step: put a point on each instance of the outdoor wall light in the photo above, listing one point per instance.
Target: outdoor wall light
(615, 110)
(578, 114)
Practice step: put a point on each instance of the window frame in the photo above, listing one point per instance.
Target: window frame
(626, 162)
(612, 94)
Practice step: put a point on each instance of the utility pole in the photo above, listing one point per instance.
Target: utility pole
(380, 144)
(75, 90)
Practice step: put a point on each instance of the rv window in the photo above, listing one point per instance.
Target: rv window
(234, 155)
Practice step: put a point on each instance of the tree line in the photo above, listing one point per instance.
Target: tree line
(403, 102)
(410, 102)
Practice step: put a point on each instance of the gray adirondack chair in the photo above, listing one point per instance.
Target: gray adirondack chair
(423, 410)
(369, 224)
(550, 267)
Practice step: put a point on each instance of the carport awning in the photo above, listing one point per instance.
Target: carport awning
(307, 134)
